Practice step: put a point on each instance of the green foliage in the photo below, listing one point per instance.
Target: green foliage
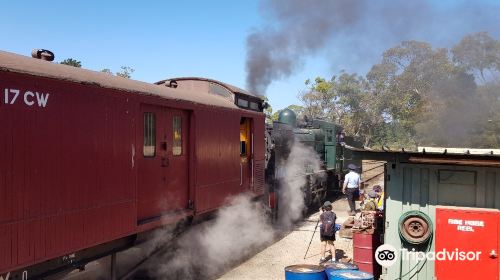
(72, 62)
(478, 52)
(346, 100)
(417, 95)
(268, 111)
(126, 72)
(107, 71)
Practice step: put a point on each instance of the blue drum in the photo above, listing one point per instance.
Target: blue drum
(337, 227)
(331, 266)
(349, 275)
(305, 272)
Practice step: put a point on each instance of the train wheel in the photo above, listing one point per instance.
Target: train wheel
(308, 197)
(322, 194)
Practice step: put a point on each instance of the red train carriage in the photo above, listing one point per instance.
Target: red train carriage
(89, 160)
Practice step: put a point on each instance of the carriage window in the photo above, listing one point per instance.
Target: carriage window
(177, 143)
(149, 148)
(244, 136)
(243, 148)
(254, 106)
(329, 135)
(242, 103)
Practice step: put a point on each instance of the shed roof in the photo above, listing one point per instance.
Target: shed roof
(432, 155)
(10, 62)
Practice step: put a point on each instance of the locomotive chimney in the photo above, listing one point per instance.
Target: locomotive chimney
(42, 54)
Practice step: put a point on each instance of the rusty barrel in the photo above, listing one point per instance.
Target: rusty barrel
(305, 272)
(365, 245)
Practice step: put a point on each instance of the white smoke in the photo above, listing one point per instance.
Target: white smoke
(302, 160)
(239, 229)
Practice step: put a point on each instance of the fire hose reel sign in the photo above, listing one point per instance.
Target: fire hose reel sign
(466, 225)
(473, 236)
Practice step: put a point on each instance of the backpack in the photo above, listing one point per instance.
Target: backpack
(370, 206)
(328, 225)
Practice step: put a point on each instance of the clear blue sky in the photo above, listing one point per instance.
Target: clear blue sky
(161, 39)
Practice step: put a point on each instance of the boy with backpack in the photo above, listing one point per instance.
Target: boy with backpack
(327, 230)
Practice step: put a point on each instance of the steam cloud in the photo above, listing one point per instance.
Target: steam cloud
(209, 249)
(356, 32)
(239, 229)
(292, 200)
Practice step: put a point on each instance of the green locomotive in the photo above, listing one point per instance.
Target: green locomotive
(309, 155)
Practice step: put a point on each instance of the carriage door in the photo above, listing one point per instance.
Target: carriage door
(246, 153)
(163, 164)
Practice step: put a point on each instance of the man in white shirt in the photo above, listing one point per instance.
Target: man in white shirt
(352, 183)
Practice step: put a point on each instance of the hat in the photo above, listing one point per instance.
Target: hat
(372, 194)
(352, 166)
(327, 204)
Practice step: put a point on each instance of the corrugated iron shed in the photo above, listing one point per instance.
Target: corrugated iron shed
(428, 180)
(454, 156)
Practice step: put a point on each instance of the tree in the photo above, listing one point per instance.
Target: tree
(406, 79)
(486, 131)
(417, 95)
(345, 99)
(478, 52)
(126, 72)
(72, 62)
(318, 99)
(107, 71)
(268, 111)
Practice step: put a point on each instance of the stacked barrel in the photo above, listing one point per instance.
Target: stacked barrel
(329, 270)
(366, 239)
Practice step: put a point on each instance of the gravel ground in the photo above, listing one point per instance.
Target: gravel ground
(290, 250)
(271, 262)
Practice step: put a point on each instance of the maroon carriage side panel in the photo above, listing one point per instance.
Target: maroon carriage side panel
(73, 174)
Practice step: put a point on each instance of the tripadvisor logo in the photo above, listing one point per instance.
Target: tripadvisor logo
(386, 255)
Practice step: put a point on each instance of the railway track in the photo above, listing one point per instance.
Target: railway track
(375, 167)
(373, 173)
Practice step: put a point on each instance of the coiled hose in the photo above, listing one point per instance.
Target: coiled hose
(415, 228)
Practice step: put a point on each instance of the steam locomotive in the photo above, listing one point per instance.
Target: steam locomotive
(318, 166)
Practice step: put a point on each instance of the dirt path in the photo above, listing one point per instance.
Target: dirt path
(290, 250)
(271, 262)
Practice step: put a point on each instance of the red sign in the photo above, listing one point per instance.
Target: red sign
(468, 241)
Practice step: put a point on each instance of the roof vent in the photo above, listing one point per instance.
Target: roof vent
(172, 84)
(42, 54)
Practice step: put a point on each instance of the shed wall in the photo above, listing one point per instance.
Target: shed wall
(423, 187)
